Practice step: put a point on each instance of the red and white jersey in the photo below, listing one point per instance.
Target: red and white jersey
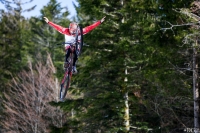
(71, 38)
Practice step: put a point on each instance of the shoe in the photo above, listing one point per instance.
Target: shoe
(74, 70)
(66, 65)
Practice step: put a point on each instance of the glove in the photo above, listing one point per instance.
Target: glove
(102, 20)
(46, 19)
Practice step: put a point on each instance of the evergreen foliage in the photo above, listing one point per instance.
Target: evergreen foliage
(141, 54)
(132, 38)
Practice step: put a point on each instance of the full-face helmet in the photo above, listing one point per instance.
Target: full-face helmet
(73, 28)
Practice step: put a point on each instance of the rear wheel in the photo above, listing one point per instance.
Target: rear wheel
(64, 86)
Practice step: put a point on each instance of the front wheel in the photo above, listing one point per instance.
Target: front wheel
(64, 86)
(79, 45)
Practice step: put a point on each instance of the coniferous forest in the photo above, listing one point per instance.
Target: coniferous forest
(138, 73)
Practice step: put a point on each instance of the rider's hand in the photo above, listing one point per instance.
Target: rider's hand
(102, 20)
(46, 19)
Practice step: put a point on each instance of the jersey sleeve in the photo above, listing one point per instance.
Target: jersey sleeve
(58, 27)
(91, 27)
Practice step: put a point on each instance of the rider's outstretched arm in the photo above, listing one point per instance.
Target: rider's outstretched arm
(56, 26)
(91, 27)
(94, 25)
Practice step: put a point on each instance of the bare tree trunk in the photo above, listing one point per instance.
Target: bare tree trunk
(195, 86)
(126, 115)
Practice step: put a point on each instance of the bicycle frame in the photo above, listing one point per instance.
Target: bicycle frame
(68, 70)
(65, 83)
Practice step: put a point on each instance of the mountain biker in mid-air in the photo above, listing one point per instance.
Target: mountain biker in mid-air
(70, 34)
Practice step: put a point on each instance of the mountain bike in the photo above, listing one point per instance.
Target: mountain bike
(68, 72)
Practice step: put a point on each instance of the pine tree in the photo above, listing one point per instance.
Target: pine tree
(11, 32)
(12, 38)
(106, 60)
(21, 39)
(132, 38)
